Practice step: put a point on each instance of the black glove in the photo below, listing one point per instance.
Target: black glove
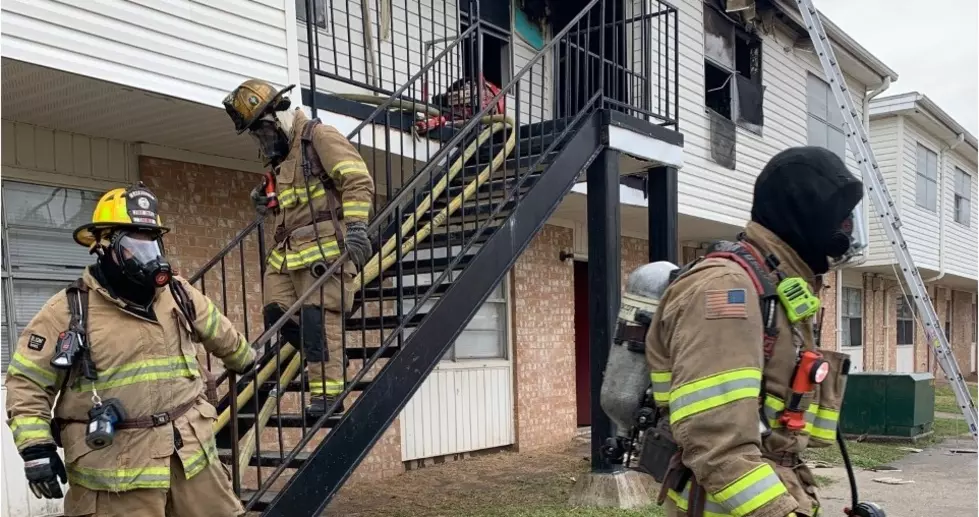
(43, 468)
(357, 243)
(259, 199)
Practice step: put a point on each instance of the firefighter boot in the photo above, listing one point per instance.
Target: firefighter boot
(319, 404)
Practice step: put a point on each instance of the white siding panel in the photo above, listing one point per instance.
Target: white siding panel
(885, 140)
(189, 49)
(961, 244)
(708, 190)
(40, 155)
(920, 228)
(458, 410)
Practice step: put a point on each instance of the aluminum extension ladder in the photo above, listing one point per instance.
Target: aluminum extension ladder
(887, 211)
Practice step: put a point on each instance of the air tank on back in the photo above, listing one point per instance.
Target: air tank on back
(626, 373)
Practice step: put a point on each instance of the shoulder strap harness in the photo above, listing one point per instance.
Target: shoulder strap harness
(313, 167)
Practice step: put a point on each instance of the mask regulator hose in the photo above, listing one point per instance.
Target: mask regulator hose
(857, 509)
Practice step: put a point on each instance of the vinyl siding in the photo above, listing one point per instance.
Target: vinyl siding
(920, 224)
(342, 50)
(188, 49)
(885, 140)
(961, 244)
(708, 190)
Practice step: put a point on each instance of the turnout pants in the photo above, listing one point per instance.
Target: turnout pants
(208, 494)
(318, 328)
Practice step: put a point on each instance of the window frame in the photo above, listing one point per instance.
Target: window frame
(908, 319)
(960, 195)
(321, 7)
(739, 36)
(948, 320)
(823, 121)
(846, 318)
(451, 357)
(930, 204)
(11, 274)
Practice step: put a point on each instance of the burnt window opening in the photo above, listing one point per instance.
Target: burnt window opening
(732, 70)
(496, 58)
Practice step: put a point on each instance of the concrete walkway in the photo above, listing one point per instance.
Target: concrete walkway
(944, 483)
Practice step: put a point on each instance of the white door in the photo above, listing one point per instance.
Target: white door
(905, 358)
(856, 357)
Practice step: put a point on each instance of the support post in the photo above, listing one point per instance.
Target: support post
(604, 270)
(663, 214)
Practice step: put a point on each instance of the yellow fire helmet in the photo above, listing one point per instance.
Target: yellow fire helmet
(246, 103)
(132, 208)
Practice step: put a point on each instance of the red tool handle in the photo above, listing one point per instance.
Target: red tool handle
(270, 190)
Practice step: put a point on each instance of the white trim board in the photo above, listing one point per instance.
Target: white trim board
(645, 147)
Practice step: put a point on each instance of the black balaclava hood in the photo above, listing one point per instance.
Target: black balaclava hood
(803, 195)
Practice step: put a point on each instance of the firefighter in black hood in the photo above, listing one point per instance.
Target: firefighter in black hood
(731, 336)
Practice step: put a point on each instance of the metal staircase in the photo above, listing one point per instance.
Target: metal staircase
(447, 228)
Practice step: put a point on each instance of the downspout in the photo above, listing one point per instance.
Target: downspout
(942, 158)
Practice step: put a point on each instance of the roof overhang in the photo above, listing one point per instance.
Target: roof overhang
(927, 114)
(854, 59)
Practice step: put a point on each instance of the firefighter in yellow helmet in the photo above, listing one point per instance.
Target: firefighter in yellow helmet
(324, 195)
(118, 349)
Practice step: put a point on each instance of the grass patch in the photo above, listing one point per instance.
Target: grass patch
(561, 511)
(875, 454)
(945, 398)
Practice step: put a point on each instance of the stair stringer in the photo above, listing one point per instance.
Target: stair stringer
(335, 458)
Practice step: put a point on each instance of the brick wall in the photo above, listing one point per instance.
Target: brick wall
(827, 298)
(205, 208)
(544, 341)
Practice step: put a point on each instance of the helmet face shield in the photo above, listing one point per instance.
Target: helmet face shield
(141, 258)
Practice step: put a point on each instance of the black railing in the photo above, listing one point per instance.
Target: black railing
(634, 59)
(439, 200)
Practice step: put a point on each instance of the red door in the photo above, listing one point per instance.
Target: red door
(582, 365)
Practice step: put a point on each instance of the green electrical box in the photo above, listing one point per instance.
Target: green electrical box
(889, 405)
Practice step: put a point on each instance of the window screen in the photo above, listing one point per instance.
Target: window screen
(852, 317)
(825, 121)
(963, 197)
(905, 322)
(40, 256)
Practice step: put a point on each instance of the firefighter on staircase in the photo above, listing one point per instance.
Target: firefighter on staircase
(322, 200)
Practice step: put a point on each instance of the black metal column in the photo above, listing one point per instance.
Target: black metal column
(604, 269)
(663, 214)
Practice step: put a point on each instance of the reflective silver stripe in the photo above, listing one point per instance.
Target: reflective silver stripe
(755, 489)
(711, 507)
(679, 405)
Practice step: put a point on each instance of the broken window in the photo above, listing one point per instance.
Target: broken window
(495, 66)
(732, 70)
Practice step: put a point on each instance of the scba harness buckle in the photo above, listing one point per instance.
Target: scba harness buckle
(160, 419)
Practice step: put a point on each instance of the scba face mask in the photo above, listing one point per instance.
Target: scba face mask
(141, 259)
(271, 139)
(847, 244)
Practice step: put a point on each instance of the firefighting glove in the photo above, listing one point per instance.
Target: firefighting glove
(43, 468)
(357, 243)
(259, 199)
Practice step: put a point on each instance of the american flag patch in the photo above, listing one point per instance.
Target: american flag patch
(725, 303)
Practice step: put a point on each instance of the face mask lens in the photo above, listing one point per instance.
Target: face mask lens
(142, 248)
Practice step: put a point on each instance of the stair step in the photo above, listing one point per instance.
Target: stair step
(285, 420)
(377, 323)
(498, 185)
(368, 352)
(262, 503)
(424, 266)
(269, 458)
(373, 294)
(303, 385)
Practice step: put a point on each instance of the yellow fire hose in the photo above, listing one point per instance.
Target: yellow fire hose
(377, 264)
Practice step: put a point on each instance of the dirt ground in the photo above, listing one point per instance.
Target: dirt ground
(503, 483)
(539, 484)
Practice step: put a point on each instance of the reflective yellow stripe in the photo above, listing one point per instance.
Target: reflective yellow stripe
(356, 208)
(711, 507)
(305, 256)
(213, 317)
(27, 428)
(714, 391)
(297, 196)
(751, 491)
(820, 421)
(119, 480)
(325, 387)
(143, 371)
(24, 367)
(194, 464)
(661, 386)
(824, 425)
(236, 360)
(349, 167)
